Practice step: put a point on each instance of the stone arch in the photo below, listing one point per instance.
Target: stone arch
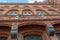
(11, 10)
(51, 10)
(28, 10)
(4, 31)
(41, 10)
(56, 25)
(33, 23)
(4, 35)
(56, 22)
(5, 24)
(31, 29)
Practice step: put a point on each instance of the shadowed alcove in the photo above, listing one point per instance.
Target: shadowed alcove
(32, 31)
(4, 32)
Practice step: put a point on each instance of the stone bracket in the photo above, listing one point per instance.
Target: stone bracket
(14, 32)
(50, 30)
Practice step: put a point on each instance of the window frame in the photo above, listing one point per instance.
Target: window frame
(30, 13)
(13, 13)
(41, 13)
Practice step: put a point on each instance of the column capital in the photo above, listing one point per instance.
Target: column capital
(50, 26)
(50, 30)
(14, 25)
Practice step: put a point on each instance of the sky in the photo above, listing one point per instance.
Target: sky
(21, 1)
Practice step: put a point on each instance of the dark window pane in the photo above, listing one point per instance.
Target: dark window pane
(32, 37)
(58, 35)
(27, 13)
(13, 13)
(3, 38)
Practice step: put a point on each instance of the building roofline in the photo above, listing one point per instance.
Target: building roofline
(24, 4)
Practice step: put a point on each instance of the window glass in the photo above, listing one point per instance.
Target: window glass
(3, 38)
(41, 13)
(27, 13)
(58, 35)
(13, 13)
(33, 37)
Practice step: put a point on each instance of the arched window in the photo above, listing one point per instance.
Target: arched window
(54, 13)
(27, 13)
(33, 37)
(3, 38)
(41, 13)
(13, 13)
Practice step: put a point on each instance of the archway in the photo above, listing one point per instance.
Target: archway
(4, 32)
(57, 26)
(36, 31)
(57, 30)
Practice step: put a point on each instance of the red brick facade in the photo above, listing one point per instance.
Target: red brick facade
(30, 24)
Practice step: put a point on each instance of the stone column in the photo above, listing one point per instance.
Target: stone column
(20, 37)
(9, 38)
(51, 31)
(14, 31)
